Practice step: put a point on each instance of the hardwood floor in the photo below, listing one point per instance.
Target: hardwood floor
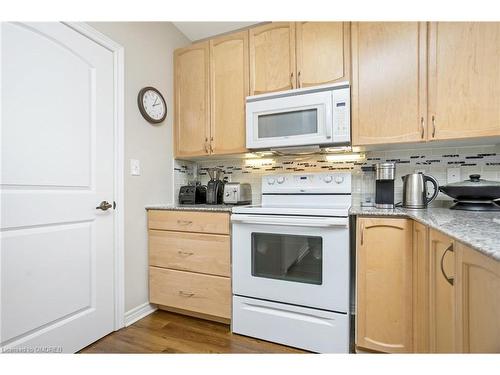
(165, 332)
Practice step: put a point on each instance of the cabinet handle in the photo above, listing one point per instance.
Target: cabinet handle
(186, 253)
(362, 233)
(298, 78)
(433, 126)
(185, 294)
(449, 279)
(206, 145)
(211, 148)
(184, 222)
(291, 79)
(422, 124)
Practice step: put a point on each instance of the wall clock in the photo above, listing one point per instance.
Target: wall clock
(152, 105)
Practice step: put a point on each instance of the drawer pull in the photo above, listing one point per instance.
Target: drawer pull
(184, 222)
(186, 253)
(185, 294)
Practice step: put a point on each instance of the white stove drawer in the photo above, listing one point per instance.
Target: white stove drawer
(310, 329)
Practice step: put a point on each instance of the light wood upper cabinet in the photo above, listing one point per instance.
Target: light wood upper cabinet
(442, 293)
(464, 79)
(478, 302)
(420, 288)
(323, 52)
(272, 57)
(192, 113)
(384, 285)
(229, 87)
(388, 82)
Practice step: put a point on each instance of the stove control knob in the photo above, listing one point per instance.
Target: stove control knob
(281, 179)
(270, 181)
(328, 179)
(339, 179)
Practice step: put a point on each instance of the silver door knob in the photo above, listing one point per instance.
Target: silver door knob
(105, 205)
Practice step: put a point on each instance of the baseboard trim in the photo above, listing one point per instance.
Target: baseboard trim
(139, 312)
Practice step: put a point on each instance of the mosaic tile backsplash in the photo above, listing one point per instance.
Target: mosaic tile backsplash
(483, 160)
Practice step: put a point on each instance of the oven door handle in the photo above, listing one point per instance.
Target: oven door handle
(317, 222)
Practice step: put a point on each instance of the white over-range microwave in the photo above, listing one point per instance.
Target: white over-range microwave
(302, 117)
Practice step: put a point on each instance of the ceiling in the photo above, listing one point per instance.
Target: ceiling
(202, 30)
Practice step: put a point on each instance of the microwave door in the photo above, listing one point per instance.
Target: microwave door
(290, 121)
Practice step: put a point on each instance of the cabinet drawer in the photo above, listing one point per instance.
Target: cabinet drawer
(189, 221)
(204, 294)
(205, 253)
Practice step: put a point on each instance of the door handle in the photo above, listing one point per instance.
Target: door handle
(105, 205)
(449, 279)
(299, 84)
(422, 124)
(433, 126)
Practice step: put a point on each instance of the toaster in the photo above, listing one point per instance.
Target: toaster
(237, 193)
(192, 194)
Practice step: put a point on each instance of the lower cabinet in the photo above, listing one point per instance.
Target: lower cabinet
(420, 288)
(384, 285)
(189, 263)
(442, 293)
(478, 302)
(420, 291)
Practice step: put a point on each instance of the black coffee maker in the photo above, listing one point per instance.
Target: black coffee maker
(215, 187)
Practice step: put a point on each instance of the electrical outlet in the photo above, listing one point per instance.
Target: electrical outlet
(135, 167)
(453, 175)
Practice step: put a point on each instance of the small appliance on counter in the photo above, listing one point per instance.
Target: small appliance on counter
(474, 194)
(415, 190)
(215, 187)
(193, 194)
(368, 185)
(237, 193)
(384, 185)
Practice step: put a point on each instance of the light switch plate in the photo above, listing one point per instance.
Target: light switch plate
(453, 175)
(135, 167)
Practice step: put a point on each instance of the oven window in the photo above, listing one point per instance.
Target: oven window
(287, 257)
(288, 123)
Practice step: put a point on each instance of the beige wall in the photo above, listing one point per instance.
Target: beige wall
(149, 50)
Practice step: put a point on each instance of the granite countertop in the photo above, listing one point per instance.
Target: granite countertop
(479, 230)
(189, 207)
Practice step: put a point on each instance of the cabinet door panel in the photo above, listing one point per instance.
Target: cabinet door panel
(229, 80)
(322, 52)
(442, 293)
(478, 316)
(420, 288)
(191, 100)
(384, 285)
(388, 82)
(464, 79)
(272, 57)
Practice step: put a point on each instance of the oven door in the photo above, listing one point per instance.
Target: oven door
(292, 259)
(296, 120)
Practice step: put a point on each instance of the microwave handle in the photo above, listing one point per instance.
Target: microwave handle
(330, 120)
(324, 222)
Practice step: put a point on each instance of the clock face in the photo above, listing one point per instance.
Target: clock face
(152, 105)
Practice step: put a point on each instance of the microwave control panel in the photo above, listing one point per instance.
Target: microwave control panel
(341, 116)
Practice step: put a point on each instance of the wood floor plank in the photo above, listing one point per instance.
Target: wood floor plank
(166, 332)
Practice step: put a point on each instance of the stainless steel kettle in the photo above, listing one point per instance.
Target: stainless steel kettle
(415, 190)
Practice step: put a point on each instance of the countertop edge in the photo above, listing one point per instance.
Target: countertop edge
(472, 245)
(197, 208)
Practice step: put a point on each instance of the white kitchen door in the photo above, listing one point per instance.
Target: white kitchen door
(57, 249)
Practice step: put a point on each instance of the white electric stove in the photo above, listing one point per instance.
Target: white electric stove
(291, 262)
